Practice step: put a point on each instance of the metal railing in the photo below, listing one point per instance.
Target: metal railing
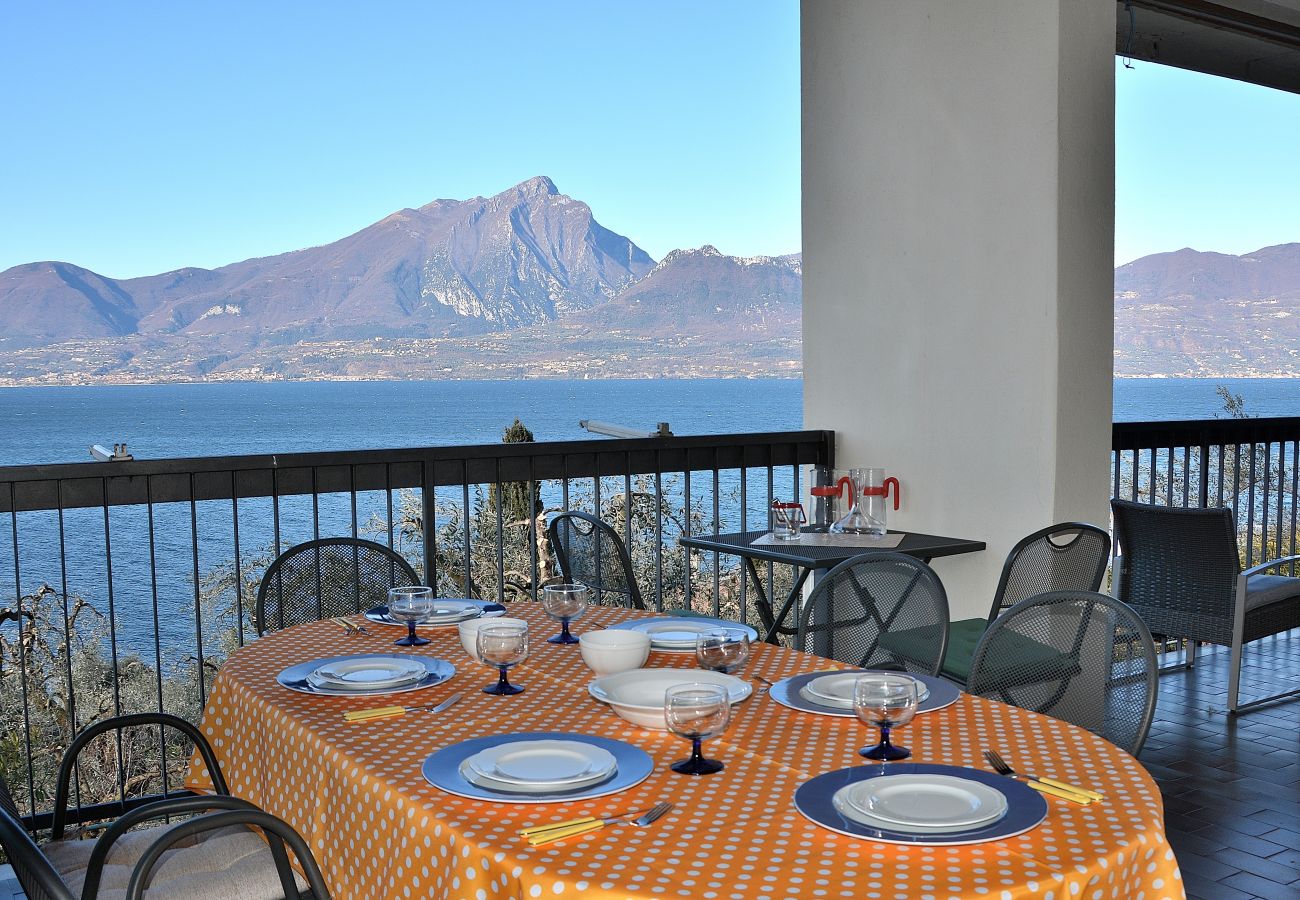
(131, 581)
(1249, 465)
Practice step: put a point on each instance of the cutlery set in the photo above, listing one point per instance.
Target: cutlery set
(388, 712)
(544, 834)
(1050, 786)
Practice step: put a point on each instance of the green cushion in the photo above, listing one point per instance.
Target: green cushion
(919, 643)
(963, 636)
(916, 645)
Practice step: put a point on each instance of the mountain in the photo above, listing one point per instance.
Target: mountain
(705, 292)
(525, 256)
(1190, 313)
(525, 283)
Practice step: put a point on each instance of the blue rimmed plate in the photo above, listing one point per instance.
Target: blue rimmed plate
(676, 634)
(823, 800)
(789, 692)
(445, 768)
(295, 677)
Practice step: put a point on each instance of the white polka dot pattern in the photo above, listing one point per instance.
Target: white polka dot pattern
(355, 792)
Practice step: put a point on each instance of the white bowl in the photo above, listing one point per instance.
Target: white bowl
(469, 632)
(610, 652)
(638, 696)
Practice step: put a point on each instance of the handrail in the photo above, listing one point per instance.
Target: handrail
(1203, 432)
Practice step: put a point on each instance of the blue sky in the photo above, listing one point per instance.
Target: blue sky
(156, 135)
(1203, 162)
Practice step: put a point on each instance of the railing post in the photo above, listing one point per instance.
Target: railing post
(427, 513)
(1203, 489)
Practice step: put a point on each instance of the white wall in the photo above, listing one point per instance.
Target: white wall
(958, 215)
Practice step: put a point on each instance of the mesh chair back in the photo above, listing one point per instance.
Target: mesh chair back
(1071, 556)
(867, 596)
(328, 577)
(1075, 655)
(590, 552)
(1178, 568)
(39, 879)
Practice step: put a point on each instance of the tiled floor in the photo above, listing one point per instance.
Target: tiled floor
(1232, 784)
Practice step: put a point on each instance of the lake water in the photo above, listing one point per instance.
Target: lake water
(57, 424)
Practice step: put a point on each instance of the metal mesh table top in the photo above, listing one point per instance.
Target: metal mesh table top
(922, 546)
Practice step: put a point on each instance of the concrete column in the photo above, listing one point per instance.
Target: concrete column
(958, 216)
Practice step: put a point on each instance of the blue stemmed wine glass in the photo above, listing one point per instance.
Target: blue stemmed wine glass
(410, 604)
(502, 646)
(886, 701)
(566, 602)
(697, 711)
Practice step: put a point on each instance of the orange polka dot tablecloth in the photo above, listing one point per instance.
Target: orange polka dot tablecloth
(379, 830)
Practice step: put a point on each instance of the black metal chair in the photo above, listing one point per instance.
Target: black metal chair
(1180, 569)
(861, 601)
(325, 578)
(1075, 655)
(67, 868)
(1071, 556)
(590, 552)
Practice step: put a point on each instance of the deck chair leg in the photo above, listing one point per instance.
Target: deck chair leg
(1234, 674)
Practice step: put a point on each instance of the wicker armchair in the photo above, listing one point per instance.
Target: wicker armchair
(1075, 655)
(326, 578)
(1070, 556)
(1180, 570)
(590, 552)
(858, 604)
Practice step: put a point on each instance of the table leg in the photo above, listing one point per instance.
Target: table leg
(775, 627)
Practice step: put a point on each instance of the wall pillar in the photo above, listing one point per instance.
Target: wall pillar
(958, 217)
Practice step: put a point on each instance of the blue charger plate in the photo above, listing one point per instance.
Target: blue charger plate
(1026, 808)
(442, 769)
(786, 692)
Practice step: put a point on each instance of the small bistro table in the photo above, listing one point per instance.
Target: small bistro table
(808, 559)
(379, 830)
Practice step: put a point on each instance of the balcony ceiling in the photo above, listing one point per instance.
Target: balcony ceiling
(1246, 40)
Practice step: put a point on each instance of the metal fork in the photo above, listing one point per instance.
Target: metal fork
(349, 627)
(1046, 785)
(547, 833)
(769, 684)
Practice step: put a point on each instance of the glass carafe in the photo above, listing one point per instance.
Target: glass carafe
(868, 501)
(827, 494)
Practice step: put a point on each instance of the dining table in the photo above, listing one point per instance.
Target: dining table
(356, 792)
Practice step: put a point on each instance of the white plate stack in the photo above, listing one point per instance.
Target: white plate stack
(367, 674)
(921, 804)
(837, 690)
(539, 767)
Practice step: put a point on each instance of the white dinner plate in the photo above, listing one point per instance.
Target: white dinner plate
(478, 779)
(838, 689)
(367, 674)
(679, 634)
(547, 763)
(927, 801)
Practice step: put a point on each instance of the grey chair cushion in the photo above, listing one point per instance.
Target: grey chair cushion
(231, 864)
(1262, 590)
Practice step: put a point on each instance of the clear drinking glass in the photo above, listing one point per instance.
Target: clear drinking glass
(697, 711)
(722, 650)
(410, 604)
(566, 602)
(886, 701)
(502, 646)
